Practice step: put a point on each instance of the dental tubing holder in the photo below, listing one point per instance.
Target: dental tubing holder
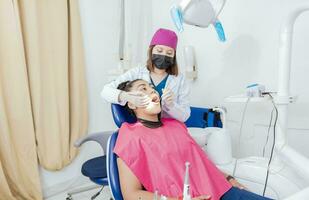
(219, 143)
(222, 111)
(155, 197)
(186, 184)
(255, 90)
(200, 13)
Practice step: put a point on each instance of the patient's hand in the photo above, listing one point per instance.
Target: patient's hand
(235, 183)
(202, 197)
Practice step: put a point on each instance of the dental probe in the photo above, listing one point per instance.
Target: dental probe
(186, 184)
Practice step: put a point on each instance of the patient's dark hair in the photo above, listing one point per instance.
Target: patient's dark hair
(126, 86)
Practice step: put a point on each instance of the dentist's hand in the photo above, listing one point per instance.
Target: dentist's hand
(168, 97)
(138, 99)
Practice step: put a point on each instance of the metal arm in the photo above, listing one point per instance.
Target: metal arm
(100, 137)
(284, 72)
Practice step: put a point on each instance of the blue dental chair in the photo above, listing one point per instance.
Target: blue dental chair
(199, 118)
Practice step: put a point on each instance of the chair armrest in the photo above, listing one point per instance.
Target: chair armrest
(203, 117)
(100, 137)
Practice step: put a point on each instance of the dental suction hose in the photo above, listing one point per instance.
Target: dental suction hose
(186, 184)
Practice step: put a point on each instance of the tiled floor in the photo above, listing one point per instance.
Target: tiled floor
(105, 195)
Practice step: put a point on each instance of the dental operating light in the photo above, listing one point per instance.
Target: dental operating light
(200, 13)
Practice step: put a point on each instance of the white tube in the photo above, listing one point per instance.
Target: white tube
(285, 48)
(155, 197)
(281, 127)
(122, 30)
(186, 184)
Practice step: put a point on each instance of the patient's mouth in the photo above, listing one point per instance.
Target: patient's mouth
(155, 99)
(154, 103)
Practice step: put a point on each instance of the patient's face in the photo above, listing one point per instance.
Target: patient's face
(154, 106)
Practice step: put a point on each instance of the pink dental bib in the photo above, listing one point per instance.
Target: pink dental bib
(157, 158)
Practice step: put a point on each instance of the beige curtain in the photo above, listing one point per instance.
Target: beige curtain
(43, 102)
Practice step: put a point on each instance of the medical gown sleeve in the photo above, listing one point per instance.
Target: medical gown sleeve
(181, 108)
(110, 93)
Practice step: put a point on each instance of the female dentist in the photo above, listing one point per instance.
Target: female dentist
(163, 73)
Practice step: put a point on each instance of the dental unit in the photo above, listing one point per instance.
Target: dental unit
(285, 175)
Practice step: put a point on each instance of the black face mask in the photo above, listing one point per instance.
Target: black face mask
(162, 61)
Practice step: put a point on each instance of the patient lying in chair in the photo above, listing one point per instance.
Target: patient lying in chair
(152, 154)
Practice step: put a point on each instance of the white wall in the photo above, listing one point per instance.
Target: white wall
(100, 27)
(250, 55)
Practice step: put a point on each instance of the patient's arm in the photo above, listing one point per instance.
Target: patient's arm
(234, 182)
(132, 189)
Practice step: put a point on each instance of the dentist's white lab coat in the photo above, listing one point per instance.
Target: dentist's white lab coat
(177, 84)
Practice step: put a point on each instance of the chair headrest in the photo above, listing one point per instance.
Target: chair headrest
(121, 115)
(199, 117)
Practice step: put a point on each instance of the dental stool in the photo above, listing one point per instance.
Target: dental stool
(95, 168)
(199, 118)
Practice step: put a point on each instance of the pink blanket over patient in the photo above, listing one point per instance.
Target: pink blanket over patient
(157, 158)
